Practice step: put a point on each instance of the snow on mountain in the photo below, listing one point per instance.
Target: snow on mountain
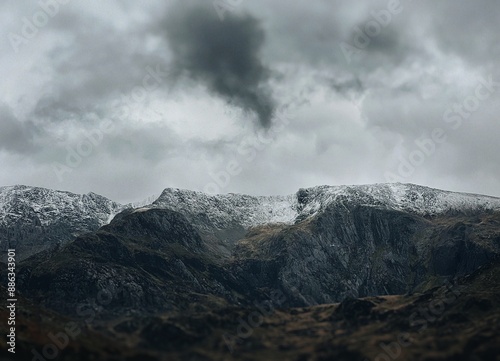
(48, 204)
(223, 211)
(33, 219)
(404, 197)
(37, 218)
(226, 210)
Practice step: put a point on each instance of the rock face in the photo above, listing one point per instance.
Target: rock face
(35, 219)
(323, 245)
(230, 210)
(224, 219)
(191, 269)
(143, 261)
(458, 321)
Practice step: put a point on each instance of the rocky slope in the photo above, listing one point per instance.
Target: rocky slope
(326, 243)
(161, 260)
(144, 260)
(35, 219)
(232, 210)
(360, 251)
(459, 321)
(227, 217)
(319, 246)
(190, 266)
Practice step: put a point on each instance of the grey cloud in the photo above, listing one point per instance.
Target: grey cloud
(347, 87)
(224, 55)
(468, 29)
(16, 136)
(94, 68)
(423, 62)
(390, 41)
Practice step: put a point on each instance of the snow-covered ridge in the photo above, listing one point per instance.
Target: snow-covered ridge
(35, 219)
(49, 205)
(404, 197)
(226, 210)
(17, 203)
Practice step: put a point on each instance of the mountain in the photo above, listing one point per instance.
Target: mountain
(229, 210)
(223, 219)
(34, 219)
(153, 260)
(185, 269)
(320, 246)
(325, 243)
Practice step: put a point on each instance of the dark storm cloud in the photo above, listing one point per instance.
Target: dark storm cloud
(225, 55)
(388, 41)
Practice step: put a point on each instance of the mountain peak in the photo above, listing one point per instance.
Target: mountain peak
(34, 219)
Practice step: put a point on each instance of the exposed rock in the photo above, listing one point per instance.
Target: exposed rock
(36, 219)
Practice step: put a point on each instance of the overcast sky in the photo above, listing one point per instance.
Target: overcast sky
(124, 98)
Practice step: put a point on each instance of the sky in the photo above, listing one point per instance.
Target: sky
(262, 97)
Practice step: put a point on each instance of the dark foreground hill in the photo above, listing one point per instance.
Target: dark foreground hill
(459, 321)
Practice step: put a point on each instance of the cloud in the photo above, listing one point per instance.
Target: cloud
(353, 120)
(469, 31)
(16, 136)
(224, 55)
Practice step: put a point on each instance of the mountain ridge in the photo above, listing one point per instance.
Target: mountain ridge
(211, 259)
(37, 219)
(313, 199)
